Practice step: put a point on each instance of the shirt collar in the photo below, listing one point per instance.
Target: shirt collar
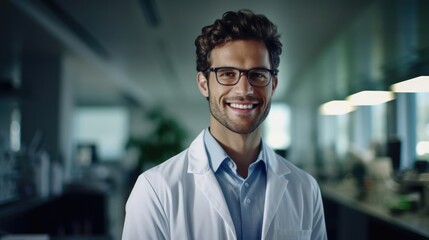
(217, 155)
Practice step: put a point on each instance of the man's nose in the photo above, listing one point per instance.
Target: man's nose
(243, 86)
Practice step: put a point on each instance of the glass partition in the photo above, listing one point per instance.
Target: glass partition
(422, 126)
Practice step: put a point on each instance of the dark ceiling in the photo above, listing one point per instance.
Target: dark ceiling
(145, 47)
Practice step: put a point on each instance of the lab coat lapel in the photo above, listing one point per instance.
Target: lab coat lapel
(276, 186)
(206, 181)
(207, 184)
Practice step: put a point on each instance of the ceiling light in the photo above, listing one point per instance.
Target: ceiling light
(365, 98)
(336, 107)
(418, 84)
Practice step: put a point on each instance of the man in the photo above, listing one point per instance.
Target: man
(229, 184)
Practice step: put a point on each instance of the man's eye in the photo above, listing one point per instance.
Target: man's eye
(227, 74)
(258, 75)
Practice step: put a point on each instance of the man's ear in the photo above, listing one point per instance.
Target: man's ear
(203, 84)
(274, 84)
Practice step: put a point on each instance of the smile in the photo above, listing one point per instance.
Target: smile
(242, 106)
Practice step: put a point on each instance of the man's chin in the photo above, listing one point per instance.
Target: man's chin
(242, 130)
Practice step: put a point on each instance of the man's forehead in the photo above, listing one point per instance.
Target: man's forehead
(246, 51)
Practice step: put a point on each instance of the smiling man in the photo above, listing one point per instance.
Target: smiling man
(229, 184)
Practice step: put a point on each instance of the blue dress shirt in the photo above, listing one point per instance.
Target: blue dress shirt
(245, 197)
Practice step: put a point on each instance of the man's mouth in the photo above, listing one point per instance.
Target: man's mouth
(242, 106)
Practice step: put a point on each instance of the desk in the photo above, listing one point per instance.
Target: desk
(76, 214)
(349, 218)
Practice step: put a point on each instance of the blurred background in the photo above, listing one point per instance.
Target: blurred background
(92, 93)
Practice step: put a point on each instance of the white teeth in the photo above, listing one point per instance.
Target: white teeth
(241, 106)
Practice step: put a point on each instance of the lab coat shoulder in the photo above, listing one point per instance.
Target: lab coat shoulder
(168, 174)
(170, 179)
(149, 204)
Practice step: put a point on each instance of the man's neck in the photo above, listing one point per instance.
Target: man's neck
(242, 148)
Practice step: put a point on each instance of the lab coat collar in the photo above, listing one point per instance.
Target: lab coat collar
(197, 155)
(278, 167)
(217, 155)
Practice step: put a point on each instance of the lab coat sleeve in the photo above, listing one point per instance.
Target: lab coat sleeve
(319, 227)
(145, 217)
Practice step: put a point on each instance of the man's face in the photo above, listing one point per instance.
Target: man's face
(240, 108)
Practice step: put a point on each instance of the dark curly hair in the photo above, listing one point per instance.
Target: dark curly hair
(240, 25)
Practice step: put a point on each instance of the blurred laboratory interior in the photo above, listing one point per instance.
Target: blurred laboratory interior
(92, 93)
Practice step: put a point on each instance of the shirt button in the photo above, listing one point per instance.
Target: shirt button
(246, 184)
(248, 201)
(231, 165)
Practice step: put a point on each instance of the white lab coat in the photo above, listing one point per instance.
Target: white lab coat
(181, 199)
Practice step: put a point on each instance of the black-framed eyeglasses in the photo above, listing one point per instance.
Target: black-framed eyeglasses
(257, 77)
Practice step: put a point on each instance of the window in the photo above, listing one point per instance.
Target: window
(334, 136)
(406, 127)
(276, 126)
(104, 127)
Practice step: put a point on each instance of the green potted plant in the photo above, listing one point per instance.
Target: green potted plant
(165, 139)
